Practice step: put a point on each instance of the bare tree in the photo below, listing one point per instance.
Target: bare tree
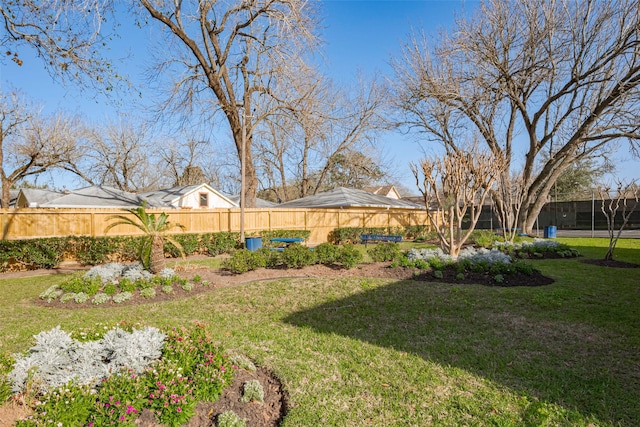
(452, 186)
(190, 163)
(225, 55)
(31, 144)
(558, 77)
(122, 155)
(67, 35)
(508, 197)
(621, 199)
(304, 145)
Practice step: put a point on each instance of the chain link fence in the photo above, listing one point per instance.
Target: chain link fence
(576, 211)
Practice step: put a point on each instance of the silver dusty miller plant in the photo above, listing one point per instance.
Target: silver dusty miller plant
(56, 358)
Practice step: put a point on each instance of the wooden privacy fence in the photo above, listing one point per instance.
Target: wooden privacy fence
(31, 223)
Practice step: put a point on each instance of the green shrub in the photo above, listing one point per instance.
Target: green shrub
(219, 243)
(74, 285)
(190, 244)
(129, 248)
(349, 256)
(326, 253)
(127, 285)
(272, 259)
(92, 286)
(384, 252)
(499, 278)
(110, 289)
(297, 256)
(94, 250)
(438, 274)
(244, 260)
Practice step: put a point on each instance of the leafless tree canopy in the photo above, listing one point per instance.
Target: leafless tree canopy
(223, 56)
(302, 147)
(452, 186)
(121, 155)
(557, 77)
(67, 35)
(31, 144)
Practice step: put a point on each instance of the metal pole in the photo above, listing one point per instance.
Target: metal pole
(242, 179)
(593, 214)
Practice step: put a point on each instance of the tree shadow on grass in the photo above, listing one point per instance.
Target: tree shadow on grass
(481, 331)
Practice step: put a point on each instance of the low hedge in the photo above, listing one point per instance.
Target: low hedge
(87, 250)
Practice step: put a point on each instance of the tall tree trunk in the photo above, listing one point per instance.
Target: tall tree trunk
(158, 262)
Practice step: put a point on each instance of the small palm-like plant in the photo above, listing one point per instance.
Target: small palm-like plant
(156, 230)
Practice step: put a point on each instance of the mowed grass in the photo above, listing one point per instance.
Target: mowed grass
(361, 352)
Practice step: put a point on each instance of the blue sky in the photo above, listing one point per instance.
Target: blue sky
(359, 35)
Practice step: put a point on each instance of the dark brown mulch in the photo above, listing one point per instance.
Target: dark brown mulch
(487, 279)
(267, 414)
(610, 263)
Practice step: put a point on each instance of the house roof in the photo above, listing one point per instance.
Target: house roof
(381, 189)
(171, 196)
(349, 198)
(35, 197)
(97, 197)
(260, 203)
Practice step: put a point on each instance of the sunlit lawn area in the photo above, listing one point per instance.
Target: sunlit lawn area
(378, 352)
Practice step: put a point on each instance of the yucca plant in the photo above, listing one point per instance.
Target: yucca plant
(156, 230)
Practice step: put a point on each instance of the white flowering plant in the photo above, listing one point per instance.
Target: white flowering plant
(109, 375)
(115, 283)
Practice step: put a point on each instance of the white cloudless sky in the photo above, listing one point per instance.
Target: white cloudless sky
(359, 35)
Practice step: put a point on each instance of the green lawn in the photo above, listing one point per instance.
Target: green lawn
(381, 353)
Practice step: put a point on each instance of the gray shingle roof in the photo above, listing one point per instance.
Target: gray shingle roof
(98, 197)
(349, 198)
(260, 203)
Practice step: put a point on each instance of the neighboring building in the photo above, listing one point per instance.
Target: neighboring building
(94, 197)
(384, 190)
(260, 203)
(200, 196)
(349, 198)
(35, 197)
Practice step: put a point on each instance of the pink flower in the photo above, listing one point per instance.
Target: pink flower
(179, 409)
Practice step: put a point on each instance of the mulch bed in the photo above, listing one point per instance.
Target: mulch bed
(610, 263)
(267, 414)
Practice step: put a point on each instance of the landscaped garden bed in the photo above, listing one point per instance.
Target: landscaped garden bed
(141, 376)
(359, 351)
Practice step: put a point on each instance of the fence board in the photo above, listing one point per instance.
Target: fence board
(30, 223)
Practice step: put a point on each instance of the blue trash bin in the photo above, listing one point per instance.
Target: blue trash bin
(550, 232)
(253, 243)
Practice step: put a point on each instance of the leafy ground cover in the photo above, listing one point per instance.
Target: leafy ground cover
(365, 351)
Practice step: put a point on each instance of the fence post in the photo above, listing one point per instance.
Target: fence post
(593, 214)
